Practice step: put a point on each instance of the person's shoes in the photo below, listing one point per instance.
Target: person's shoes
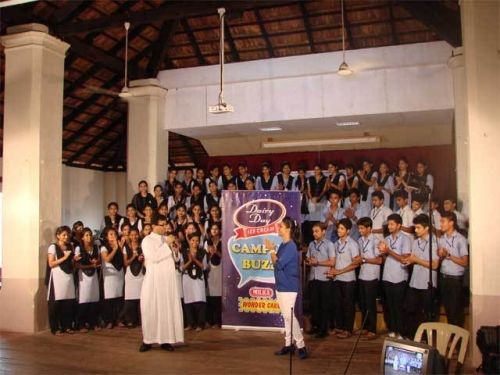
(145, 347)
(399, 337)
(392, 335)
(370, 336)
(285, 350)
(344, 335)
(167, 347)
(303, 353)
(188, 328)
(198, 329)
(321, 335)
(361, 332)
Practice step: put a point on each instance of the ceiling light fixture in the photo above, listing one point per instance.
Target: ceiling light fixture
(321, 142)
(348, 123)
(344, 69)
(271, 129)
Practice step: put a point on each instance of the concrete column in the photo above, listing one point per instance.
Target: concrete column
(32, 168)
(457, 65)
(481, 37)
(147, 150)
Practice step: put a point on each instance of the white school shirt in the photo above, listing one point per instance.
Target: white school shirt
(344, 254)
(456, 245)
(420, 274)
(394, 271)
(379, 216)
(407, 215)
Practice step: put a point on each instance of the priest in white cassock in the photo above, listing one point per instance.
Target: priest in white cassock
(161, 310)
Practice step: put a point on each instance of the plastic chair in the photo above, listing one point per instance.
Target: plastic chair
(445, 337)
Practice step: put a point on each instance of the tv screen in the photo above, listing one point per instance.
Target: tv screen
(405, 357)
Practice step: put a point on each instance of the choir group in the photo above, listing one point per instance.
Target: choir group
(365, 235)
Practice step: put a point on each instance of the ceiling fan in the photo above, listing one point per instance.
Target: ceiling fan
(125, 92)
(221, 106)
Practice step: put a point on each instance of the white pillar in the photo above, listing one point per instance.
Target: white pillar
(457, 66)
(481, 40)
(32, 167)
(147, 149)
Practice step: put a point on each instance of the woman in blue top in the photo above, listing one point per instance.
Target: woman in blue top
(287, 275)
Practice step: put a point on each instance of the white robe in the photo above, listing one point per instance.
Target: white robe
(161, 310)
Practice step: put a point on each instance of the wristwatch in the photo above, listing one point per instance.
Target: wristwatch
(364, 260)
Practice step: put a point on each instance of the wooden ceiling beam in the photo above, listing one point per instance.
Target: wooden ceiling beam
(95, 54)
(161, 46)
(265, 35)
(171, 10)
(105, 149)
(68, 11)
(134, 32)
(193, 42)
(395, 39)
(445, 22)
(232, 45)
(307, 26)
(348, 30)
(189, 148)
(95, 138)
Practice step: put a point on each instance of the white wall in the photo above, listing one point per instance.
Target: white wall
(86, 192)
(397, 79)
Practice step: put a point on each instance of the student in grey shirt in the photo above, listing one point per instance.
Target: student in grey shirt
(347, 259)
(320, 257)
(395, 248)
(419, 297)
(454, 252)
(369, 276)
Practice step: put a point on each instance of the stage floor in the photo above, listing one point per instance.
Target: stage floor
(212, 351)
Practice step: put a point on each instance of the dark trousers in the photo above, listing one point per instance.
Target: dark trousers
(344, 304)
(61, 314)
(417, 309)
(452, 297)
(195, 314)
(368, 291)
(88, 314)
(320, 295)
(111, 309)
(131, 312)
(394, 295)
(214, 310)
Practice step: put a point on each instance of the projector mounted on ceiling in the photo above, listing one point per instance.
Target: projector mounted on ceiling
(222, 106)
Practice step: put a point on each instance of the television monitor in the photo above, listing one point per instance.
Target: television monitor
(406, 357)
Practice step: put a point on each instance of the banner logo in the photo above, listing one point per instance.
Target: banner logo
(253, 221)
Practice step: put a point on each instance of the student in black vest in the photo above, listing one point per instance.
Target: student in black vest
(214, 216)
(249, 184)
(61, 287)
(142, 198)
(188, 181)
(200, 179)
(351, 182)
(283, 180)
(242, 176)
(131, 218)
(194, 263)
(76, 234)
(133, 261)
(196, 215)
(367, 179)
(158, 194)
(181, 218)
(88, 265)
(213, 247)
(336, 180)
(423, 182)
(265, 180)
(197, 196)
(213, 196)
(226, 177)
(402, 176)
(148, 213)
(384, 183)
(112, 219)
(169, 183)
(213, 176)
(113, 276)
(179, 197)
